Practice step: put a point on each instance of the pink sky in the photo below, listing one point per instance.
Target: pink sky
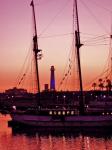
(16, 31)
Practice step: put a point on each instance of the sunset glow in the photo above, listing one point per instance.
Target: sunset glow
(54, 27)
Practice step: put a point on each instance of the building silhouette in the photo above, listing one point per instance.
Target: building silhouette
(52, 79)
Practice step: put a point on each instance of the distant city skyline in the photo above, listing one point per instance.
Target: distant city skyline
(54, 27)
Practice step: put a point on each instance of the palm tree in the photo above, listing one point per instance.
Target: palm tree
(94, 86)
(109, 86)
(101, 86)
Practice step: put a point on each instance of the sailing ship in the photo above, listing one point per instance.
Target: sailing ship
(67, 116)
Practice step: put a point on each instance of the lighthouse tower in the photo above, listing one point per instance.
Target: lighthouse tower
(52, 79)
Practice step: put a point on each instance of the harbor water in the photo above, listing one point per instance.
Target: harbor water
(15, 139)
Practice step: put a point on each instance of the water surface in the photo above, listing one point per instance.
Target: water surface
(11, 139)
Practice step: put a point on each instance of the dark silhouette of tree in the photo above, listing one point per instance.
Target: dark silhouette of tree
(94, 86)
(108, 86)
(101, 85)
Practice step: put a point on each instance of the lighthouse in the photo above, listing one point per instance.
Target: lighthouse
(52, 79)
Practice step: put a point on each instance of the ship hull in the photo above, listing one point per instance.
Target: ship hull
(66, 121)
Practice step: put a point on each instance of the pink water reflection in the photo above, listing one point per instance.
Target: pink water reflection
(10, 141)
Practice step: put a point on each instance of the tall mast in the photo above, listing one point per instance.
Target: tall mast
(35, 48)
(78, 45)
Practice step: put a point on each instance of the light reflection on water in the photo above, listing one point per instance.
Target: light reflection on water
(24, 141)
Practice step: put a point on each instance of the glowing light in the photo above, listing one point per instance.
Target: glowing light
(55, 113)
(14, 107)
(72, 112)
(64, 96)
(68, 112)
(59, 112)
(50, 113)
(103, 113)
(63, 112)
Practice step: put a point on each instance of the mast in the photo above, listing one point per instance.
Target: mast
(35, 48)
(78, 45)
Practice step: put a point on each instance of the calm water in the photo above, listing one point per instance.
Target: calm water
(12, 140)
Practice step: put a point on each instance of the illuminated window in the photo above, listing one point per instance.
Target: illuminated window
(68, 112)
(54, 112)
(72, 112)
(50, 113)
(63, 112)
(59, 112)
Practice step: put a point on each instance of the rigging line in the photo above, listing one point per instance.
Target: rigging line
(108, 74)
(97, 45)
(87, 40)
(69, 57)
(89, 34)
(55, 35)
(26, 67)
(93, 80)
(87, 85)
(110, 45)
(28, 80)
(97, 41)
(104, 79)
(86, 37)
(69, 77)
(25, 72)
(32, 76)
(98, 22)
(110, 42)
(53, 19)
(43, 3)
(66, 65)
(98, 5)
(69, 69)
(96, 38)
(17, 79)
(66, 82)
(23, 76)
(103, 72)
